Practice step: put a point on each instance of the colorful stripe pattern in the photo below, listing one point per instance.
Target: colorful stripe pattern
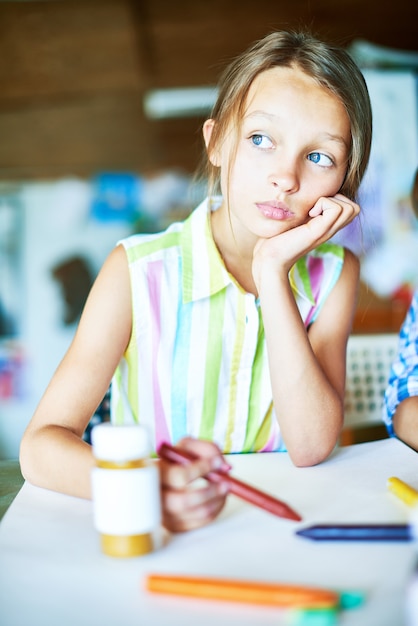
(197, 361)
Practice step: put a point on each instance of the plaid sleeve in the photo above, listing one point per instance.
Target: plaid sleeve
(403, 377)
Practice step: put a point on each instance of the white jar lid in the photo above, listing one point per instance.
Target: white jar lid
(124, 442)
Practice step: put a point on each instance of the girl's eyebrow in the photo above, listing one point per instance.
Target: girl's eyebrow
(331, 137)
(325, 136)
(259, 113)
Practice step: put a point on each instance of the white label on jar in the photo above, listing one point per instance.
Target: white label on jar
(126, 502)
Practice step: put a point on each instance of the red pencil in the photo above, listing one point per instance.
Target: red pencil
(238, 488)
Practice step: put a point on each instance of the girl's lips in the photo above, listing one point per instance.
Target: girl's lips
(274, 211)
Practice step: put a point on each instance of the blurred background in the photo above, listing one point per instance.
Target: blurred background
(101, 108)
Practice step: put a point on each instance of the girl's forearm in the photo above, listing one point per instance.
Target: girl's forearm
(308, 407)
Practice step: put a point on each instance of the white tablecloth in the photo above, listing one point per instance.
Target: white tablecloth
(53, 573)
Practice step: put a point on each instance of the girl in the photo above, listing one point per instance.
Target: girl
(227, 333)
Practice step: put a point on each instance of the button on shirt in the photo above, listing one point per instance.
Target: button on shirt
(403, 377)
(197, 363)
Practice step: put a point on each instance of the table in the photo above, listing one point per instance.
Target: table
(11, 481)
(52, 571)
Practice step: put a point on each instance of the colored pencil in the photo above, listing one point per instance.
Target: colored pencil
(357, 532)
(238, 488)
(403, 491)
(252, 592)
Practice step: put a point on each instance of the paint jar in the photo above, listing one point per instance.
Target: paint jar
(125, 490)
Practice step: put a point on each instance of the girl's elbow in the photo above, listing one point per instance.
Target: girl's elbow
(25, 458)
(307, 460)
(314, 455)
(28, 456)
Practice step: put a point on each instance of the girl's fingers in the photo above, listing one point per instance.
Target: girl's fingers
(329, 215)
(205, 450)
(192, 507)
(208, 456)
(191, 519)
(341, 206)
(188, 504)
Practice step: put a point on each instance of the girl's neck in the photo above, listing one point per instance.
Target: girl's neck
(237, 257)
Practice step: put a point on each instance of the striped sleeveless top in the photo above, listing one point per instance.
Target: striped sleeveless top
(196, 363)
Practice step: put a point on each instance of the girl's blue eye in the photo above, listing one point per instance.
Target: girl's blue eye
(321, 159)
(261, 141)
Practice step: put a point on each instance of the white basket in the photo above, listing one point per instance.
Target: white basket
(369, 359)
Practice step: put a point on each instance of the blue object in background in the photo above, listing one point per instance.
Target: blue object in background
(116, 197)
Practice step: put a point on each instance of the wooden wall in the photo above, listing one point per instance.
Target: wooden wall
(73, 72)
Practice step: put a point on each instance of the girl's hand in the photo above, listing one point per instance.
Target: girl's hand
(327, 217)
(187, 504)
(338, 211)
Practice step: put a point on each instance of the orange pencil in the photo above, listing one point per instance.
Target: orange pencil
(251, 592)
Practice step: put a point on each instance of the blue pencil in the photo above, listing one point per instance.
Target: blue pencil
(357, 532)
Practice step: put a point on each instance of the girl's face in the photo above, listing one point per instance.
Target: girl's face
(292, 149)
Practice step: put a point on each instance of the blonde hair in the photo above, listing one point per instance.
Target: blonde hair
(331, 66)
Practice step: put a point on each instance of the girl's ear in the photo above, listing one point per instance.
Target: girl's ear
(213, 155)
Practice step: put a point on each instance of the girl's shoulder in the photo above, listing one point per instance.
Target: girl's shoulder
(141, 245)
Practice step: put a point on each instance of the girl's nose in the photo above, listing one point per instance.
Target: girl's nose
(285, 178)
